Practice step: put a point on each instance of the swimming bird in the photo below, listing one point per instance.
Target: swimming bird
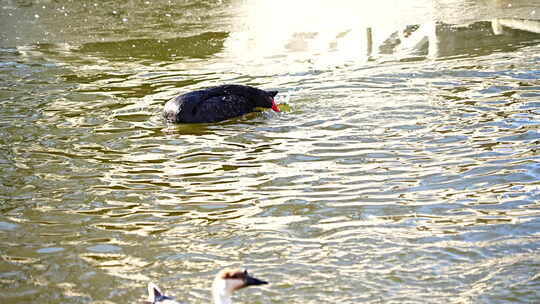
(218, 103)
(225, 283)
(156, 296)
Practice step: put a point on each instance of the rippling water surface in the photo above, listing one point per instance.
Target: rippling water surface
(392, 175)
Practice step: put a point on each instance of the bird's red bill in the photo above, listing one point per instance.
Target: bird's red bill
(274, 106)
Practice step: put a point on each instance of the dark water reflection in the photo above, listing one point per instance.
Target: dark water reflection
(404, 169)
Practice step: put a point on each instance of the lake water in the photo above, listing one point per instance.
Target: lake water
(404, 167)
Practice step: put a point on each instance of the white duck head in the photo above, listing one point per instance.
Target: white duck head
(226, 282)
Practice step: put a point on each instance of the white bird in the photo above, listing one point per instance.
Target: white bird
(156, 296)
(225, 283)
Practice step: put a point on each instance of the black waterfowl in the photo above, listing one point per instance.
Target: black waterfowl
(218, 104)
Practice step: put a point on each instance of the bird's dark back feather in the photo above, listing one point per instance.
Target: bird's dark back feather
(216, 104)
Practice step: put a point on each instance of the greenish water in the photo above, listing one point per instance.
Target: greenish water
(403, 169)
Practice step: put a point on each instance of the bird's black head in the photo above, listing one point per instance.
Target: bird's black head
(267, 100)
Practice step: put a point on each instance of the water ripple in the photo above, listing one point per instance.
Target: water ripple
(395, 182)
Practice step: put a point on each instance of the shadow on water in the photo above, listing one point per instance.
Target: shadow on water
(199, 46)
(404, 169)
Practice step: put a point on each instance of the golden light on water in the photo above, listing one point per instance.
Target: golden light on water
(402, 166)
(319, 32)
(288, 35)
